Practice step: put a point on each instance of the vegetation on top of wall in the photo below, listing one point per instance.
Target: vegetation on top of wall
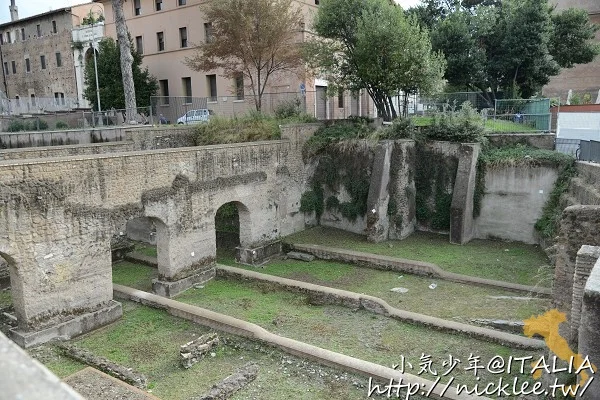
(18, 125)
(463, 126)
(524, 156)
(251, 127)
(334, 132)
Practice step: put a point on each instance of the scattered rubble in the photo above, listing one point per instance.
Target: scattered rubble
(228, 386)
(194, 351)
(399, 290)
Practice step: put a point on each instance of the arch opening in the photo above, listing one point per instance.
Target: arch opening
(232, 229)
(8, 319)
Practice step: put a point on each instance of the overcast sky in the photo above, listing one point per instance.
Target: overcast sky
(28, 8)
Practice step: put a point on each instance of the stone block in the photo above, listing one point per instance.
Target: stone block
(296, 255)
(257, 255)
(171, 289)
(71, 328)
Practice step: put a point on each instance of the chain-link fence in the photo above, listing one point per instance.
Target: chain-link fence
(76, 120)
(186, 110)
(37, 105)
(444, 102)
(522, 115)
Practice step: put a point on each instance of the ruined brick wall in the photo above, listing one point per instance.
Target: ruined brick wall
(580, 225)
(57, 216)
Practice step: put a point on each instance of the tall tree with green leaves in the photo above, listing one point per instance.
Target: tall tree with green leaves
(511, 47)
(372, 45)
(126, 59)
(256, 39)
(112, 94)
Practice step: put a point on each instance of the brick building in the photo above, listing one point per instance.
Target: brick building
(582, 78)
(165, 32)
(39, 61)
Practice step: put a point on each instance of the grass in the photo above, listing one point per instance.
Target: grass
(148, 340)
(500, 260)
(145, 249)
(5, 298)
(134, 275)
(356, 333)
(491, 125)
(448, 300)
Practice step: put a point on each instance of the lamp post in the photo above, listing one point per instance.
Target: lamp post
(95, 63)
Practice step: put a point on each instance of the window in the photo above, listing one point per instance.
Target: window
(158, 4)
(39, 30)
(27, 66)
(32, 100)
(211, 83)
(58, 60)
(317, 2)
(341, 99)
(2, 38)
(137, 7)
(54, 30)
(59, 98)
(160, 38)
(239, 86)
(181, 2)
(208, 31)
(18, 101)
(23, 34)
(183, 37)
(8, 38)
(164, 90)
(187, 89)
(5, 67)
(43, 61)
(139, 44)
(14, 66)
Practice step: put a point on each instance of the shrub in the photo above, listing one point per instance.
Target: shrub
(61, 125)
(16, 125)
(288, 109)
(464, 126)
(38, 125)
(335, 132)
(401, 128)
(249, 128)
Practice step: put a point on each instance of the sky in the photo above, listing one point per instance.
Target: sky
(28, 8)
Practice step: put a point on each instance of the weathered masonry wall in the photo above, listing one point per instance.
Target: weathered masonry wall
(57, 217)
(580, 225)
(585, 187)
(589, 329)
(513, 202)
(544, 141)
(65, 151)
(14, 140)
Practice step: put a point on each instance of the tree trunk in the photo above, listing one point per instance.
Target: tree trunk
(126, 60)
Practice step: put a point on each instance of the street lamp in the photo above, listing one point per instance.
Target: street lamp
(95, 63)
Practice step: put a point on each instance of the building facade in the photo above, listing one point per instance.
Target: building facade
(582, 78)
(165, 32)
(40, 60)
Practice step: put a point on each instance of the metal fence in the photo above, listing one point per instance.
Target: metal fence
(583, 150)
(76, 120)
(173, 108)
(37, 105)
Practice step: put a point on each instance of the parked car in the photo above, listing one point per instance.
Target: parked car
(195, 116)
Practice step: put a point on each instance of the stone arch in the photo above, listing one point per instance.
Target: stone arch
(244, 221)
(15, 285)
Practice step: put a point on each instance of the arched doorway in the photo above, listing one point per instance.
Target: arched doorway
(232, 229)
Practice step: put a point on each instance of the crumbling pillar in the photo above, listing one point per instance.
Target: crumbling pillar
(589, 329)
(461, 213)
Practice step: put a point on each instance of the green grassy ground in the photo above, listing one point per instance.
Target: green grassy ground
(148, 340)
(356, 333)
(5, 298)
(491, 125)
(506, 261)
(145, 249)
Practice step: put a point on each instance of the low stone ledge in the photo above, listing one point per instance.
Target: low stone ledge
(257, 256)
(387, 263)
(103, 364)
(171, 289)
(76, 326)
(332, 296)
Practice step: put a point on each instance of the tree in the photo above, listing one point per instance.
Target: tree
(513, 46)
(109, 77)
(257, 39)
(372, 45)
(126, 59)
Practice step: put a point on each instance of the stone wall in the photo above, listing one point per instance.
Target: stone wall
(543, 141)
(579, 226)
(513, 202)
(585, 187)
(587, 257)
(65, 151)
(14, 140)
(589, 329)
